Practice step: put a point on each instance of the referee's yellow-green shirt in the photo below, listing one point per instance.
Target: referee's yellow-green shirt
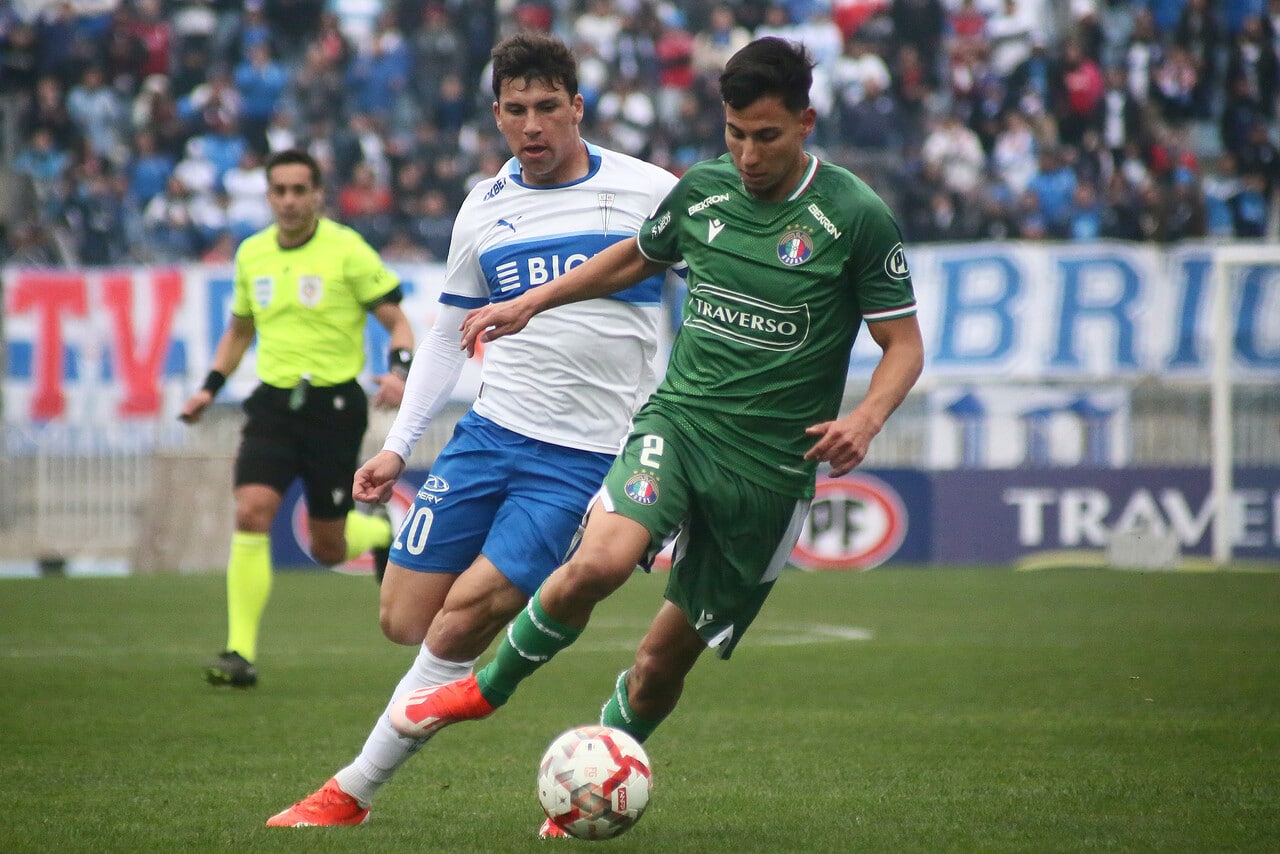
(308, 303)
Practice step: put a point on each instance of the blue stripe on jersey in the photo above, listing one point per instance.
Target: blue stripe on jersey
(514, 267)
(463, 302)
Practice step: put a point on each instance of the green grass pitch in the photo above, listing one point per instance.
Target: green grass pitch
(889, 711)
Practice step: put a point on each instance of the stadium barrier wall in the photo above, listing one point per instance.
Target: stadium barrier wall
(1078, 360)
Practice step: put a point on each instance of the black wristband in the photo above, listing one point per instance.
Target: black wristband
(214, 382)
(399, 360)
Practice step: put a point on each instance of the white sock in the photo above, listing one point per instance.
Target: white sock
(386, 750)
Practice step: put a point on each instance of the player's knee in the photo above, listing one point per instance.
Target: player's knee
(399, 628)
(328, 553)
(595, 573)
(253, 518)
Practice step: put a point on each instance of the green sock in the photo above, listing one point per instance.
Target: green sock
(248, 588)
(617, 713)
(364, 532)
(531, 639)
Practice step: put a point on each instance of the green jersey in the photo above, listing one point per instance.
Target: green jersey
(308, 303)
(777, 292)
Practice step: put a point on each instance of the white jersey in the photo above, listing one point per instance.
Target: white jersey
(576, 374)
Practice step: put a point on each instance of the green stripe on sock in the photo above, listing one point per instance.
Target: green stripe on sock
(530, 642)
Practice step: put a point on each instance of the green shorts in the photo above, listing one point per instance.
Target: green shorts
(732, 536)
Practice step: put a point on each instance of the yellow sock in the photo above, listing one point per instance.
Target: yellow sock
(248, 588)
(366, 532)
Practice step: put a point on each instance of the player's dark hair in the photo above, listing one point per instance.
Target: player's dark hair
(768, 66)
(291, 156)
(534, 57)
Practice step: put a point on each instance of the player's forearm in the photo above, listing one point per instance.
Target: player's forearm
(899, 367)
(431, 380)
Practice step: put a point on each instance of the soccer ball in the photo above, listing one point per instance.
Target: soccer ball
(594, 782)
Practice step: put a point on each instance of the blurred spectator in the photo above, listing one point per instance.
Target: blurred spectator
(95, 212)
(1200, 35)
(1253, 59)
(1220, 185)
(169, 221)
(598, 27)
(214, 102)
(1054, 186)
(1011, 32)
(1084, 217)
(637, 57)
(1014, 159)
(379, 74)
(875, 123)
(431, 225)
(294, 24)
(148, 170)
(222, 145)
(673, 51)
(246, 187)
(364, 203)
(1082, 93)
(66, 42)
(437, 50)
(1249, 207)
(196, 171)
(1121, 118)
(45, 164)
(722, 38)
(99, 113)
(260, 81)
(29, 245)
(920, 24)
(317, 89)
(956, 152)
(1142, 55)
(19, 57)
(221, 251)
(1174, 84)
(124, 57)
(627, 116)
(401, 248)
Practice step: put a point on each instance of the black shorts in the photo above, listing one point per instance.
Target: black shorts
(320, 442)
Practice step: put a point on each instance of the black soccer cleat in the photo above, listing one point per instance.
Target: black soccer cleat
(231, 670)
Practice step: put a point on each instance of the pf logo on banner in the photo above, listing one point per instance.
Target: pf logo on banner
(855, 522)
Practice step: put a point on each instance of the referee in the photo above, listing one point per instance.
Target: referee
(303, 287)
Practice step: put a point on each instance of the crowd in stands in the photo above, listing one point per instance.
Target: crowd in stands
(142, 125)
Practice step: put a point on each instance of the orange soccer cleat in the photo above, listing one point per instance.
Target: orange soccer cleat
(423, 712)
(327, 807)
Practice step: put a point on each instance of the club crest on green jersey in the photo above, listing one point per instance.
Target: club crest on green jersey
(642, 488)
(795, 247)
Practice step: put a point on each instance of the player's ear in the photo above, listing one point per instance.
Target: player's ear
(808, 119)
(497, 115)
(579, 108)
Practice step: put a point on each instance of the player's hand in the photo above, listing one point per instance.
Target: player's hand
(195, 407)
(494, 321)
(843, 444)
(375, 480)
(390, 391)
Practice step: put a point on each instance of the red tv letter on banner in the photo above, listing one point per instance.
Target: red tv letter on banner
(52, 295)
(140, 371)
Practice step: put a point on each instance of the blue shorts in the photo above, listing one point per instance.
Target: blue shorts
(516, 500)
